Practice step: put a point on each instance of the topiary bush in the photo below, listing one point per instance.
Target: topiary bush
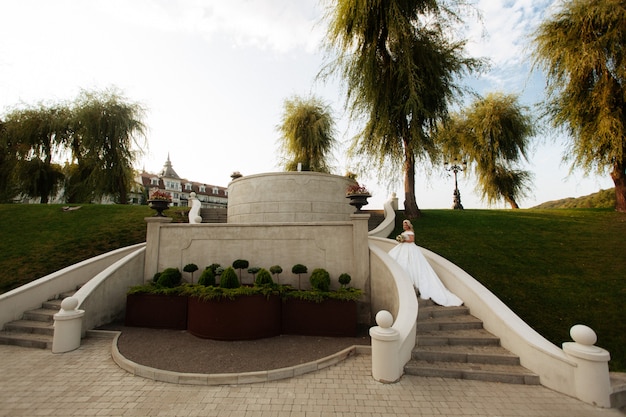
(344, 280)
(229, 278)
(320, 280)
(156, 277)
(191, 268)
(263, 277)
(207, 278)
(299, 269)
(170, 278)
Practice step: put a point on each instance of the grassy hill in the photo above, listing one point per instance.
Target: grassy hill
(554, 268)
(601, 199)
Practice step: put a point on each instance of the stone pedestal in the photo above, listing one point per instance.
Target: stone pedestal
(68, 324)
(386, 366)
(592, 381)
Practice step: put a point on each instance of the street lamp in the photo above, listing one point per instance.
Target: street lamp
(456, 168)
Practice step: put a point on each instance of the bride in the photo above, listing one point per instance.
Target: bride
(424, 278)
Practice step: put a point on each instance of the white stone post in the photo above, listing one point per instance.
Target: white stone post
(153, 236)
(385, 358)
(68, 323)
(592, 381)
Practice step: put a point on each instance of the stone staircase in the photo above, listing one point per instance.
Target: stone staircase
(36, 328)
(451, 343)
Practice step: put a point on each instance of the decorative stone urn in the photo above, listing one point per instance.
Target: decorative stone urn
(160, 206)
(358, 200)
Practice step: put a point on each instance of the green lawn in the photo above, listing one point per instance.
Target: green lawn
(554, 268)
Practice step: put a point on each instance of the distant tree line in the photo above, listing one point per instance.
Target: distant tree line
(99, 134)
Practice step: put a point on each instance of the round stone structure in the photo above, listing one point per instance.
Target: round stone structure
(288, 197)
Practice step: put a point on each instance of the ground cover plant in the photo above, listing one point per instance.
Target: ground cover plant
(554, 268)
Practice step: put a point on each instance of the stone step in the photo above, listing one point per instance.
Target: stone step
(435, 311)
(451, 322)
(472, 337)
(30, 326)
(33, 340)
(494, 355)
(473, 371)
(40, 314)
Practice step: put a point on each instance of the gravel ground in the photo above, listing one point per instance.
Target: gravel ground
(179, 351)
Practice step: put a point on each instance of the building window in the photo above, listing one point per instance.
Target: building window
(187, 187)
(216, 190)
(154, 181)
(202, 189)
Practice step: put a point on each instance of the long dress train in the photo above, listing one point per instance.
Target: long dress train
(424, 278)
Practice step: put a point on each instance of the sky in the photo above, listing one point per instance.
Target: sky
(213, 77)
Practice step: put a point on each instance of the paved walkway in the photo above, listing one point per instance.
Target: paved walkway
(87, 382)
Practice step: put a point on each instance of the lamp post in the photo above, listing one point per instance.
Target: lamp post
(456, 168)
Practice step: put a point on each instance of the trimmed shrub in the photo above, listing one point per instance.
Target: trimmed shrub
(207, 278)
(263, 277)
(170, 278)
(320, 279)
(344, 279)
(229, 278)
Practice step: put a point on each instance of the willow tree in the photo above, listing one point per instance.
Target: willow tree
(581, 50)
(107, 129)
(32, 137)
(307, 134)
(492, 134)
(400, 70)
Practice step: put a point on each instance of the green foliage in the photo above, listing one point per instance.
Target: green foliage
(155, 277)
(343, 294)
(307, 131)
(47, 239)
(240, 264)
(156, 289)
(276, 269)
(219, 293)
(98, 129)
(320, 279)
(581, 50)
(213, 267)
(207, 278)
(601, 199)
(400, 76)
(229, 278)
(299, 269)
(263, 277)
(492, 135)
(190, 268)
(170, 278)
(344, 279)
(253, 270)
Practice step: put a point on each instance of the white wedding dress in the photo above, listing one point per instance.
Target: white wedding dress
(424, 278)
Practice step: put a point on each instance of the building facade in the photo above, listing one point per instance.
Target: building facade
(179, 189)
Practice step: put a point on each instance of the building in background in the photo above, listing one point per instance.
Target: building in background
(211, 196)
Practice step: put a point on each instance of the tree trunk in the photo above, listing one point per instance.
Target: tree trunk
(512, 202)
(619, 179)
(411, 211)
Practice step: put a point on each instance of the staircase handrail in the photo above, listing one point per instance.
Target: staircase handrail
(29, 296)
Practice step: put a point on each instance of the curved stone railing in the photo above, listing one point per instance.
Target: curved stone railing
(14, 303)
(103, 298)
(389, 223)
(392, 291)
(556, 368)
